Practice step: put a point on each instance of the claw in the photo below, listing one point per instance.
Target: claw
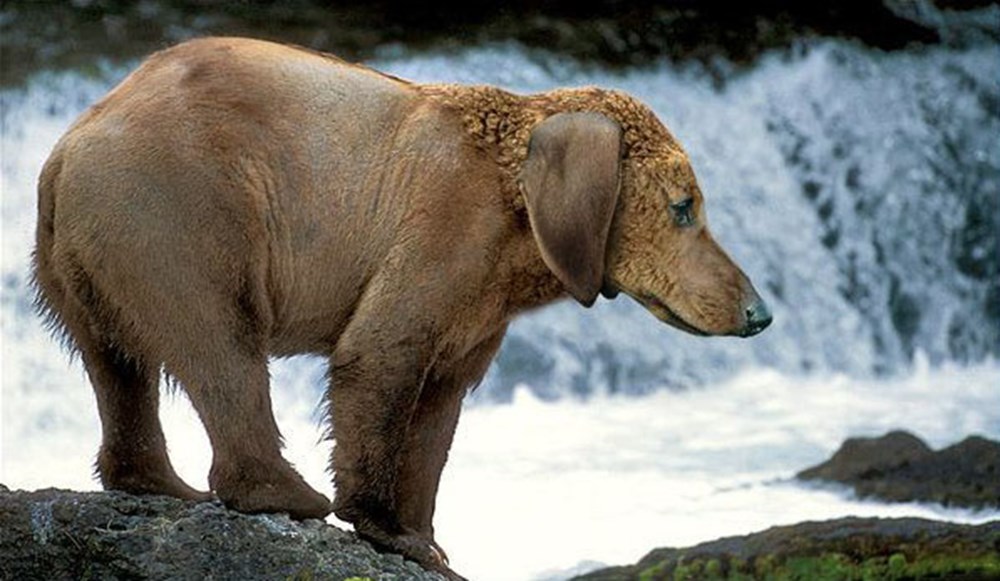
(439, 553)
(413, 546)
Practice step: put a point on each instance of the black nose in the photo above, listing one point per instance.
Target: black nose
(758, 318)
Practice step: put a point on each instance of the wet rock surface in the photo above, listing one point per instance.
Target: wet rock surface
(850, 548)
(56, 534)
(899, 467)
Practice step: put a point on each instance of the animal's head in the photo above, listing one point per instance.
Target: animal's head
(614, 206)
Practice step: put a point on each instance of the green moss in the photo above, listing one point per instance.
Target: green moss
(833, 567)
(897, 565)
(738, 566)
(942, 565)
(764, 566)
(688, 571)
(713, 569)
(654, 573)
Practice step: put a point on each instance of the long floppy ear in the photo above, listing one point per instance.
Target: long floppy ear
(570, 185)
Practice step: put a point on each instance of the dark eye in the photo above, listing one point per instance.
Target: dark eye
(683, 212)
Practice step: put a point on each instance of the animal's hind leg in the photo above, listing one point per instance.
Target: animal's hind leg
(133, 456)
(226, 378)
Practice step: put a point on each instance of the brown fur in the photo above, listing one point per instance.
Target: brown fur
(235, 199)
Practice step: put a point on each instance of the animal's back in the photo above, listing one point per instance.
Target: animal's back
(219, 166)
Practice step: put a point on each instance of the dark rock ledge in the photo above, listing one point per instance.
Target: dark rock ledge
(896, 467)
(843, 549)
(900, 467)
(56, 534)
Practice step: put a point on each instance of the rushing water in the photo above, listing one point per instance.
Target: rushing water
(859, 190)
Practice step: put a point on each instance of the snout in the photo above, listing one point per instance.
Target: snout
(757, 318)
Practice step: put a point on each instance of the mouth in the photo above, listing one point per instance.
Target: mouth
(668, 316)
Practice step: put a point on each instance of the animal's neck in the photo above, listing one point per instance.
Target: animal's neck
(499, 124)
(530, 283)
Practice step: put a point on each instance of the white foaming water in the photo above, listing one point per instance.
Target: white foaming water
(533, 486)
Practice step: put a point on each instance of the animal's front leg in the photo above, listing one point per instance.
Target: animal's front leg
(431, 431)
(377, 377)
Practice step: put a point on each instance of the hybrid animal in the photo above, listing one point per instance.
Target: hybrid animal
(234, 199)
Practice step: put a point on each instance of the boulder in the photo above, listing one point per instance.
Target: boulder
(861, 458)
(849, 548)
(57, 534)
(899, 467)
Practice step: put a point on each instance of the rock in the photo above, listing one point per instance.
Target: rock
(55, 534)
(899, 467)
(849, 548)
(863, 457)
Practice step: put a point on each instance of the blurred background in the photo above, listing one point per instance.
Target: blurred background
(849, 156)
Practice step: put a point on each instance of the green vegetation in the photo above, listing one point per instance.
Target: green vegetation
(824, 567)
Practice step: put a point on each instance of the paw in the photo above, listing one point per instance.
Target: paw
(413, 546)
(161, 482)
(269, 491)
